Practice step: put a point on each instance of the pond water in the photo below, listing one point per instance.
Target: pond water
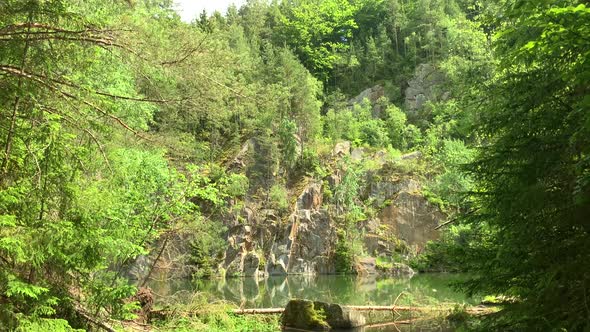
(276, 291)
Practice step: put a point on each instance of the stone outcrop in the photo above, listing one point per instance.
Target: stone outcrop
(301, 245)
(386, 190)
(396, 270)
(320, 316)
(311, 198)
(314, 240)
(423, 87)
(341, 149)
(372, 95)
(265, 242)
(366, 266)
(411, 218)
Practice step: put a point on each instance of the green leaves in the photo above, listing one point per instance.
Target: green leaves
(288, 142)
(531, 171)
(318, 31)
(15, 287)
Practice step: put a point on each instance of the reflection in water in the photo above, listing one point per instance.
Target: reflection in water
(276, 291)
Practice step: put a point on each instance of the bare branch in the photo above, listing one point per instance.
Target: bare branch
(187, 55)
(69, 95)
(76, 86)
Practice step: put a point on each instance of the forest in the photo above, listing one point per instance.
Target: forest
(124, 130)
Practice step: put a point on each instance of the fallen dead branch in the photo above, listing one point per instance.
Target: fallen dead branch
(270, 311)
(260, 311)
(95, 321)
(263, 311)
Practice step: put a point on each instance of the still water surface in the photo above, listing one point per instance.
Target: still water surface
(276, 291)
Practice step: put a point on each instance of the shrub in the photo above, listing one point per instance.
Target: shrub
(279, 198)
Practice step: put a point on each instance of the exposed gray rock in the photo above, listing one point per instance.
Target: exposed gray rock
(357, 154)
(372, 94)
(412, 155)
(397, 270)
(341, 149)
(333, 180)
(378, 246)
(381, 157)
(311, 198)
(267, 216)
(276, 268)
(278, 260)
(238, 162)
(370, 225)
(410, 217)
(304, 243)
(235, 266)
(248, 215)
(426, 85)
(314, 239)
(383, 190)
(366, 266)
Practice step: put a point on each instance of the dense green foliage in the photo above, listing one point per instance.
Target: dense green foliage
(532, 202)
(122, 126)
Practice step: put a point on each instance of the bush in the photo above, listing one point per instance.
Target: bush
(446, 254)
(309, 163)
(279, 198)
(373, 132)
(343, 255)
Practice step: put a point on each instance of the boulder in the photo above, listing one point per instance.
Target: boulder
(320, 316)
(397, 270)
(341, 149)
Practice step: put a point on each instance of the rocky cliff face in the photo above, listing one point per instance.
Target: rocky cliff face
(303, 244)
(303, 241)
(426, 85)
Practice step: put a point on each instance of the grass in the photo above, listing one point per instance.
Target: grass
(220, 322)
(201, 315)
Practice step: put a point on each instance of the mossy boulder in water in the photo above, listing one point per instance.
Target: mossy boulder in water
(320, 316)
